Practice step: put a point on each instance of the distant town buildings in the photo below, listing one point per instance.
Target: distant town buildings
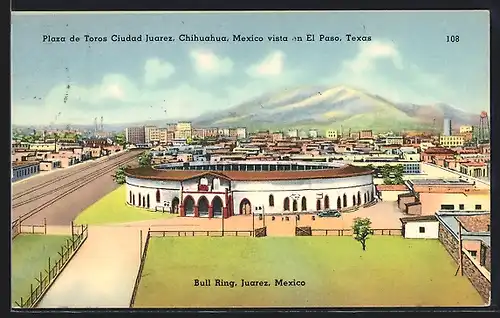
(447, 127)
(135, 135)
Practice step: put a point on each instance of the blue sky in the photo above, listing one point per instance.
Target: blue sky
(407, 60)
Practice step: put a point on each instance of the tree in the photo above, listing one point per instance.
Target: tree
(361, 229)
(388, 180)
(120, 139)
(398, 174)
(119, 176)
(145, 159)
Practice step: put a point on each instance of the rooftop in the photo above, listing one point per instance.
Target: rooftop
(180, 175)
(451, 219)
(447, 182)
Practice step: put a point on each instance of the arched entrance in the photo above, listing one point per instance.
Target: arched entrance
(133, 199)
(295, 206)
(286, 204)
(344, 199)
(158, 196)
(339, 203)
(189, 205)
(304, 204)
(175, 205)
(147, 201)
(318, 205)
(144, 201)
(217, 206)
(359, 198)
(203, 206)
(140, 200)
(245, 207)
(365, 198)
(327, 202)
(353, 200)
(130, 197)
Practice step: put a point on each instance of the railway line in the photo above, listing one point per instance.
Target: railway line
(63, 176)
(64, 197)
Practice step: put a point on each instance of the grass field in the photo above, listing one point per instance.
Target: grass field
(30, 254)
(113, 209)
(392, 272)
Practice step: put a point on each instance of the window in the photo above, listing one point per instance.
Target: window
(473, 253)
(489, 229)
(271, 200)
(447, 207)
(421, 229)
(461, 207)
(478, 206)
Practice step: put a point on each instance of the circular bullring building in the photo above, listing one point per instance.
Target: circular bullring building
(205, 189)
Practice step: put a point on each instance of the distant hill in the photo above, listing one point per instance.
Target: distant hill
(322, 108)
(333, 107)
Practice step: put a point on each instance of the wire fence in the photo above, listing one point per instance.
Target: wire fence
(55, 266)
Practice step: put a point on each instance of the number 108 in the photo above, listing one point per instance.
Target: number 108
(452, 38)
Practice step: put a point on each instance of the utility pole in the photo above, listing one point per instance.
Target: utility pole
(460, 257)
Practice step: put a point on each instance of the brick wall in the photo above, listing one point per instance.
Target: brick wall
(449, 242)
(487, 256)
(414, 209)
(480, 283)
(402, 199)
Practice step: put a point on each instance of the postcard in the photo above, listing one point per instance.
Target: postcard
(250, 159)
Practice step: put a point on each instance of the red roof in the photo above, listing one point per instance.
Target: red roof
(180, 175)
(439, 151)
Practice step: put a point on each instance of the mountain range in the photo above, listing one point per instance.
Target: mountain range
(334, 107)
(323, 107)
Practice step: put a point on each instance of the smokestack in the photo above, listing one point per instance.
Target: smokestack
(102, 125)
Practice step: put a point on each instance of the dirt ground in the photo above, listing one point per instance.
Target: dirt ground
(384, 215)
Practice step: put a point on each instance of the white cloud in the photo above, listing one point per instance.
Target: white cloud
(271, 65)
(405, 82)
(156, 70)
(370, 52)
(208, 63)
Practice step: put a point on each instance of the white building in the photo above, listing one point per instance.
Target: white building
(426, 227)
(241, 133)
(234, 188)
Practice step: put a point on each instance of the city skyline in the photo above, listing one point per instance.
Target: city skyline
(181, 80)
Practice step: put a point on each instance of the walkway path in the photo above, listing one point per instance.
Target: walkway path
(101, 274)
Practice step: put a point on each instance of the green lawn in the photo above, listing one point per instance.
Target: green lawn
(30, 255)
(392, 272)
(113, 209)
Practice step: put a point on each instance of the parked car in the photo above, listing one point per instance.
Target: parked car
(329, 213)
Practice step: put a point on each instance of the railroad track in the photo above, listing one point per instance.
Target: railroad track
(74, 182)
(71, 188)
(62, 177)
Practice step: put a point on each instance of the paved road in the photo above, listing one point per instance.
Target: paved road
(32, 194)
(102, 273)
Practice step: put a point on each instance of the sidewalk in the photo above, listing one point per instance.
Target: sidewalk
(102, 273)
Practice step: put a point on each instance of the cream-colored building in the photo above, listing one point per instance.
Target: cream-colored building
(451, 141)
(466, 129)
(331, 134)
(45, 147)
(184, 129)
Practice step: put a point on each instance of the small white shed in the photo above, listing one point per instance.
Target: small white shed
(426, 227)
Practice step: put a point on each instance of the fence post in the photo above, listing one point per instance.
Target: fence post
(140, 248)
(31, 291)
(45, 226)
(72, 229)
(41, 281)
(50, 269)
(32, 229)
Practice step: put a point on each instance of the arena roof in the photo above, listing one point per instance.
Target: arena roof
(180, 175)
